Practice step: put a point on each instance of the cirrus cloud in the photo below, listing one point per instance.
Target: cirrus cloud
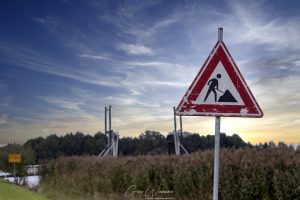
(135, 49)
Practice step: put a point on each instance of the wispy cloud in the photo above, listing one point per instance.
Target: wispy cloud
(257, 26)
(142, 63)
(135, 92)
(131, 114)
(5, 100)
(151, 64)
(3, 119)
(130, 101)
(2, 87)
(98, 57)
(126, 20)
(135, 49)
(83, 39)
(167, 83)
(66, 103)
(46, 21)
(27, 58)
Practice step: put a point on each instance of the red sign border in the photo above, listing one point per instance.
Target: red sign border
(219, 53)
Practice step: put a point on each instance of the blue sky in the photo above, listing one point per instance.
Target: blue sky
(62, 62)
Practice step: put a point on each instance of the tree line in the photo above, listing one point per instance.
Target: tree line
(37, 150)
(147, 143)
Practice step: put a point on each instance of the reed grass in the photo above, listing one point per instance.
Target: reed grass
(272, 173)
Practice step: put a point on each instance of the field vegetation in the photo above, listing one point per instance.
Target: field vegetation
(246, 173)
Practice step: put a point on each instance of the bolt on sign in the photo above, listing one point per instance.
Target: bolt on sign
(14, 158)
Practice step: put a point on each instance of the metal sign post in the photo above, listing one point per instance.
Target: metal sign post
(219, 89)
(216, 158)
(15, 175)
(14, 158)
(217, 142)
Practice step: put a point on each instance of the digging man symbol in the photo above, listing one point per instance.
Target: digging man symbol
(213, 85)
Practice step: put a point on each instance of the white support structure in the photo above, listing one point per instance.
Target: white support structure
(176, 133)
(184, 149)
(178, 146)
(176, 143)
(112, 146)
(115, 144)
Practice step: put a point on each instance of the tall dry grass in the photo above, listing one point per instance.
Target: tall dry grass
(244, 174)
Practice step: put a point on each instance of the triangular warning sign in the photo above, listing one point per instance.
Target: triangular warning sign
(219, 89)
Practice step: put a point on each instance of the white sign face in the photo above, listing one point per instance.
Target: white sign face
(219, 90)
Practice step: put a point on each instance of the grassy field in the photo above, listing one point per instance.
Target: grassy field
(245, 174)
(9, 192)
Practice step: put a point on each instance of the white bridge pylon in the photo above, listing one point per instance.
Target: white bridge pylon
(112, 145)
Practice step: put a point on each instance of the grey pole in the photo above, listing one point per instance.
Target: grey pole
(15, 175)
(109, 125)
(217, 141)
(217, 158)
(176, 142)
(181, 132)
(220, 34)
(105, 121)
(105, 125)
(109, 118)
(175, 126)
